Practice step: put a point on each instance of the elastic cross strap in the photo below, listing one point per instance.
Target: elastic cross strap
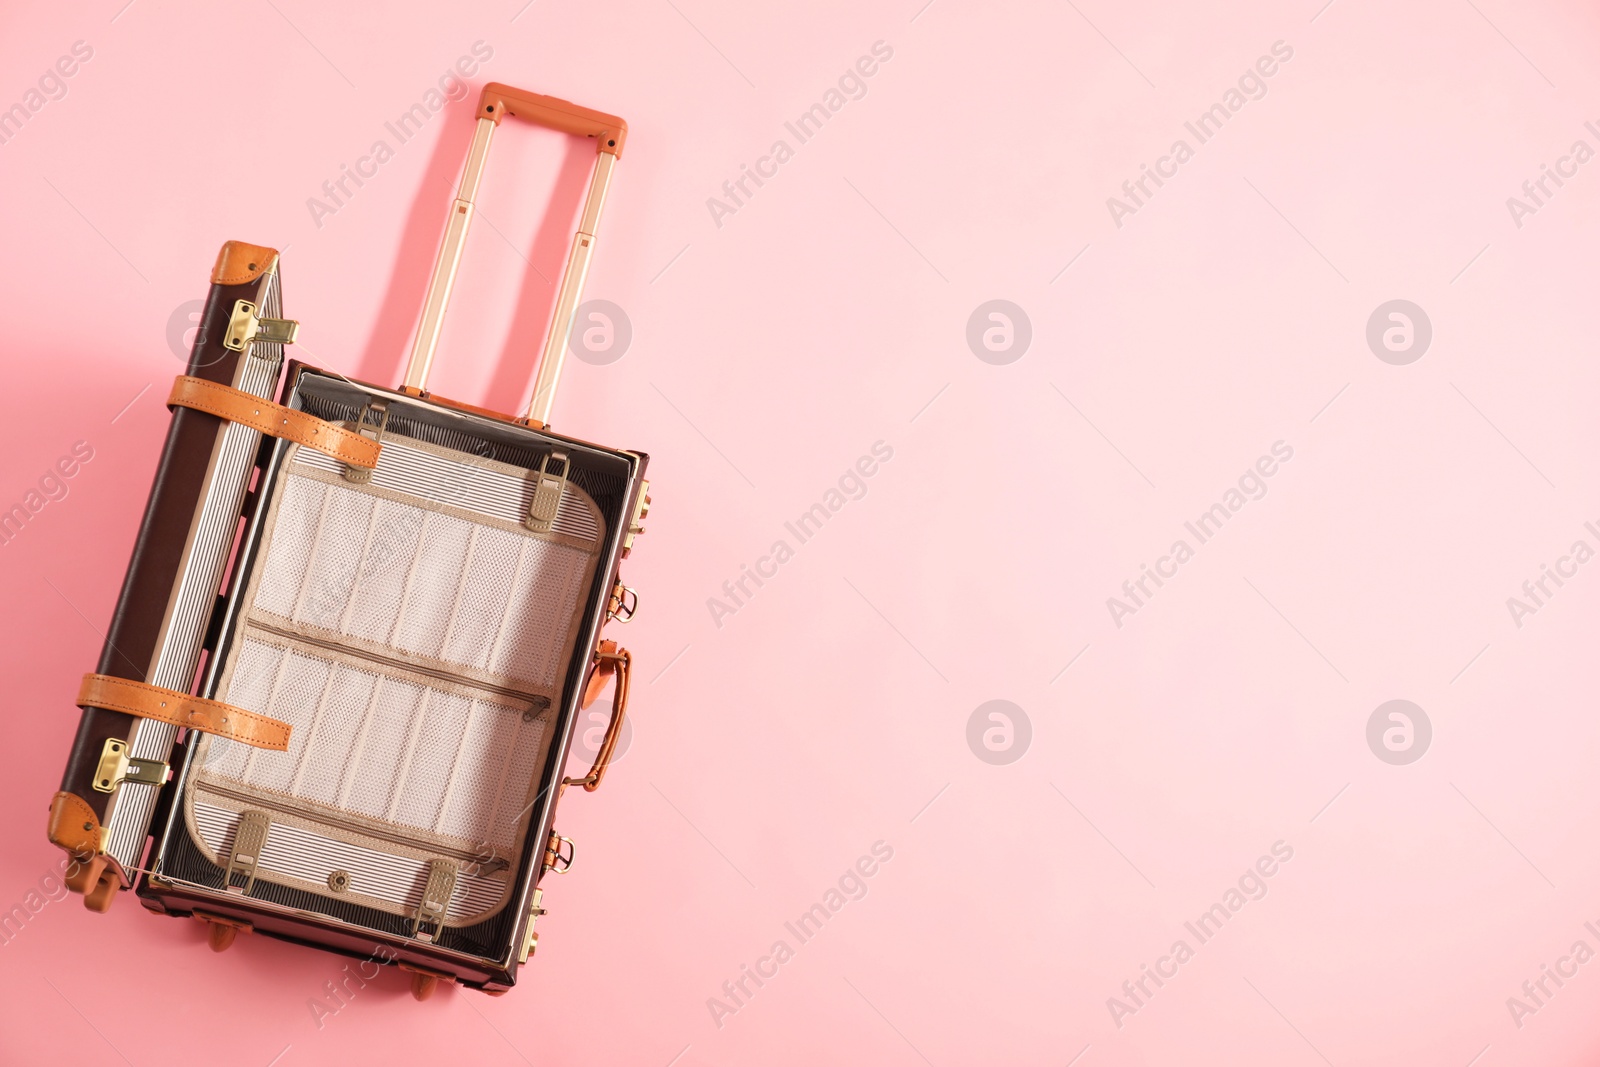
(181, 709)
(275, 420)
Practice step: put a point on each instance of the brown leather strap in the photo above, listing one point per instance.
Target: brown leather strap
(236, 405)
(181, 709)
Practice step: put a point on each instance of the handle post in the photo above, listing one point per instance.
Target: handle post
(577, 272)
(444, 269)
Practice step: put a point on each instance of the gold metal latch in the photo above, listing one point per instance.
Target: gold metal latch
(245, 853)
(547, 490)
(530, 940)
(116, 766)
(435, 900)
(246, 326)
(636, 524)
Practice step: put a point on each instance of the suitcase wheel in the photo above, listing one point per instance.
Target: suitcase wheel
(219, 936)
(423, 985)
(494, 992)
(220, 932)
(105, 891)
(85, 874)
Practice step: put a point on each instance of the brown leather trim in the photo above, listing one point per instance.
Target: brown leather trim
(181, 709)
(599, 675)
(239, 263)
(498, 100)
(73, 825)
(236, 405)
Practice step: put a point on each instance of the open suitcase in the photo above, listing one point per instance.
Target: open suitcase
(375, 614)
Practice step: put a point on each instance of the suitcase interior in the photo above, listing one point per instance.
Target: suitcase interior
(428, 650)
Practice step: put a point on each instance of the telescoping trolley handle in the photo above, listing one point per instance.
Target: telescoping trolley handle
(496, 103)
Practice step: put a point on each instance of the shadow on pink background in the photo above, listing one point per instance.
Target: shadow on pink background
(784, 732)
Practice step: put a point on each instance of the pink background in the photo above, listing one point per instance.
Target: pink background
(769, 353)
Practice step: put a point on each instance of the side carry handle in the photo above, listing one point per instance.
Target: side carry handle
(496, 102)
(609, 660)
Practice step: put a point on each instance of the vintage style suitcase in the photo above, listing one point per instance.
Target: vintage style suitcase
(376, 614)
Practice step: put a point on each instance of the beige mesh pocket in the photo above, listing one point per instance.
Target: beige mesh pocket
(381, 748)
(422, 578)
(415, 637)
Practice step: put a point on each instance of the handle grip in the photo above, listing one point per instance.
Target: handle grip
(609, 659)
(498, 101)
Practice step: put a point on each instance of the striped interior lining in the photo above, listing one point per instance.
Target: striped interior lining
(133, 805)
(396, 880)
(438, 479)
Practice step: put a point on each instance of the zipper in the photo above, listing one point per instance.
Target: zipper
(473, 860)
(537, 700)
